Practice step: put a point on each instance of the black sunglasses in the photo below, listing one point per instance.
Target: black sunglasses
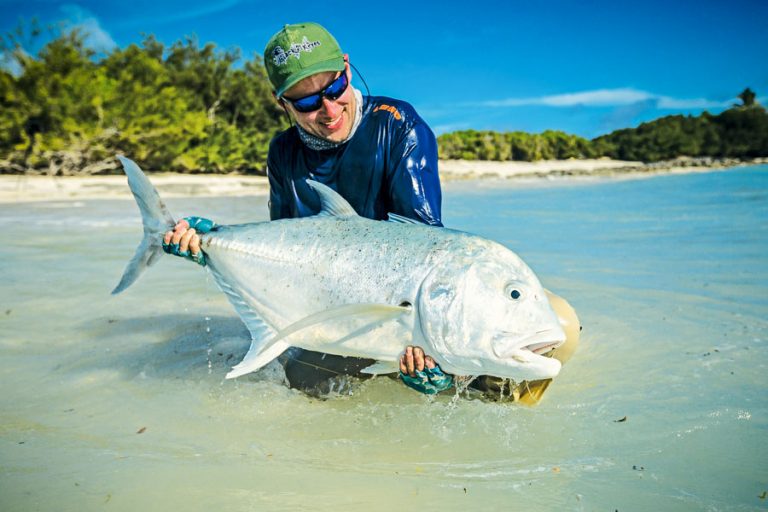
(315, 101)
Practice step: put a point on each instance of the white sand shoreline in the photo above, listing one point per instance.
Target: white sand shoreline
(23, 188)
(28, 188)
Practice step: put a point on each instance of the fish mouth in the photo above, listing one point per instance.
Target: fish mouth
(511, 344)
(542, 348)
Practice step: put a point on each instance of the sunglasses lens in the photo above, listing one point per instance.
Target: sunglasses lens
(315, 101)
(337, 88)
(308, 103)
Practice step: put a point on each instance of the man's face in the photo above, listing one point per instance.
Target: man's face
(333, 120)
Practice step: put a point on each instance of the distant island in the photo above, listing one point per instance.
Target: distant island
(191, 109)
(738, 133)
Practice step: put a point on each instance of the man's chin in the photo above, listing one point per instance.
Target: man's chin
(336, 135)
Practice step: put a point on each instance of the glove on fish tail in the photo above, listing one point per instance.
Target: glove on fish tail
(200, 225)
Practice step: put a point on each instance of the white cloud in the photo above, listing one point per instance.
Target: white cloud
(96, 37)
(606, 98)
(676, 104)
(9, 63)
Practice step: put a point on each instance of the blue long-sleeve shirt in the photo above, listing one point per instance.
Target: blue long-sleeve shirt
(388, 166)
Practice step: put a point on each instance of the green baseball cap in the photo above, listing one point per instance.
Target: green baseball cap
(299, 51)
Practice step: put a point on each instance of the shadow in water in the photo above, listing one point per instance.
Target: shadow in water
(194, 348)
(181, 346)
(191, 347)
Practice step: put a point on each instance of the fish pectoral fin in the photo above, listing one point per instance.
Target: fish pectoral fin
(381, 368)
(370, 315)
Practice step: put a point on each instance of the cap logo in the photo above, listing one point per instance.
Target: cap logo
(280, 56)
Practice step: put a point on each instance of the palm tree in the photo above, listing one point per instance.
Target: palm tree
(747, 98)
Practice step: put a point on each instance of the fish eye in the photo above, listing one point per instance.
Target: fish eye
(513, 292)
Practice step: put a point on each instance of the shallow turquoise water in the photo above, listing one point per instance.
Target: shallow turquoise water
(119, 403)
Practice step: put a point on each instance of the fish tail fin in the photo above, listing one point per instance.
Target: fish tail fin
(156, 219)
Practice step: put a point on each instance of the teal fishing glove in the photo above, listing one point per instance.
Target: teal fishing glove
(430, 381)
(200, 225)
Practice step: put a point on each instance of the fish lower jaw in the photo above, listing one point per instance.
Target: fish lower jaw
(543, 347)
(525, 365)
(520, 365)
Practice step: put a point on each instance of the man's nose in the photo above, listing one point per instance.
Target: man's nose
(330, 108)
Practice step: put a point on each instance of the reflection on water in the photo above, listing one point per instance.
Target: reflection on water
(120, 402)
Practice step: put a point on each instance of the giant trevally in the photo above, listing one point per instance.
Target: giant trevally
(343, 284)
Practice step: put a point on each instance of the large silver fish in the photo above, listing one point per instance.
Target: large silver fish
(342, 284)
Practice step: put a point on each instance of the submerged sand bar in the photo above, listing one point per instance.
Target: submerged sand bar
(23, 188)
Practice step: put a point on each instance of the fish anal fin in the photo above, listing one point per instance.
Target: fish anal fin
(257, 357)
(261, 331)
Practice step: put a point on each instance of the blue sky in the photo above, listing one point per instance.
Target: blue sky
(584, 67)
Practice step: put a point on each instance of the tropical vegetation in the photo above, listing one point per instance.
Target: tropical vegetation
(192, 108)
(186, 108)
(738, 132)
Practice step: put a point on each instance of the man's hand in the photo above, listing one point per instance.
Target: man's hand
(414, 360)
(420, 372)
(184, 241)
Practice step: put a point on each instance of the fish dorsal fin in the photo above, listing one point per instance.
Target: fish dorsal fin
(393, 217)
(369, 314)
(331, 203)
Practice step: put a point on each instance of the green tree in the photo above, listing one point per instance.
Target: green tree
(739, 132)
(182, 108)
(489, 145)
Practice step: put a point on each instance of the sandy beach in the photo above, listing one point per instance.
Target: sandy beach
(23, 188)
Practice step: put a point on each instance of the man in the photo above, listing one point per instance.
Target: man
(374, 151)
